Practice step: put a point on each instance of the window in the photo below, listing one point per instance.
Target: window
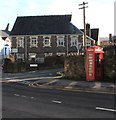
(20, 56)
(47, 54)
(88, 44)
(33, 42)
(47, 41)
(40, 60)
(60, 54)
(32, 56)
(74, 41)
(60, 41)
(20, 42)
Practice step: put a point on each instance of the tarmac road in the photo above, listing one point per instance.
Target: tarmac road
(20, 101)
(23, 101)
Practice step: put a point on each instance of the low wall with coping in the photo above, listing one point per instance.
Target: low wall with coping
(74, 65)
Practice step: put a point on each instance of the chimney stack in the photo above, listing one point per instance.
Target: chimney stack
(110, 37)
(88, 30)
(7, 28)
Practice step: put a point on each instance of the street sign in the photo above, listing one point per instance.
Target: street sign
(14, 50)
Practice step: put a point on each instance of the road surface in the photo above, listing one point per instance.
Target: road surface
(22, 101)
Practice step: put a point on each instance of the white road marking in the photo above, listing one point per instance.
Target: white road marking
(73, 83)
(25, 82)
(53, 81)
(23, 96)
(32, 97)
(106, 109)
(55, 101)
(97, 85)
(8, 78)
(16, 95)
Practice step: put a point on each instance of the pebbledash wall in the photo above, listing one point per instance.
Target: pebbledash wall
(74, 67)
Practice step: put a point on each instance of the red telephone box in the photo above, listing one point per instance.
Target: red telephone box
(94, 63)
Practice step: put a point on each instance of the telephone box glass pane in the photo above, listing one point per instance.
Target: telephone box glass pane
(98, 60)
(90, 64)
(90, 74)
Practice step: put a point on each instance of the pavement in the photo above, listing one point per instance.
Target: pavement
(56, 81)
(59, 82)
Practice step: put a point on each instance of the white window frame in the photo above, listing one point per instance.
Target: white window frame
(48, 54)
(20, 42)
(74, 41)
(88, 43)
(20, 56)
(60, 54)
(32, 55)
(60, 41)
(32, 43)
(40, 59)
(48, 44)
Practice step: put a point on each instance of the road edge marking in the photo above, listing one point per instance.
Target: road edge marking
(78, 90)
(105, 109)
(56, 101)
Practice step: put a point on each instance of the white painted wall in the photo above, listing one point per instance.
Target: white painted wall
(2, 43)
(4, 50)
(115, 18)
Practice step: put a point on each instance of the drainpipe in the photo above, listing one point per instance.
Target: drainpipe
(67, 44)
(26, 48)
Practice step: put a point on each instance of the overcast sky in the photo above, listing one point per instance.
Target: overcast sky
(100, 13)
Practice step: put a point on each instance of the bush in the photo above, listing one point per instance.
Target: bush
(54, 61)
(17, 66)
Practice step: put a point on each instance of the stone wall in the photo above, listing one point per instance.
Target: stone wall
(74, 67)
(110, 63)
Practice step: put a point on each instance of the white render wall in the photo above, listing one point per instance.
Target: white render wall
(4, 50)
(2, 43)
(115, 18)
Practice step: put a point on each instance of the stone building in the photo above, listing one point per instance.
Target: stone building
(35, 37)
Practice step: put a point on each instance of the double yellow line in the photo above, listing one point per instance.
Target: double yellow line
(42, 79)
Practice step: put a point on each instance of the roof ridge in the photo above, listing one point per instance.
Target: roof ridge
(46, 15)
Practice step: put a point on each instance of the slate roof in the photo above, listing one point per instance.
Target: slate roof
(6, 31)
(49, 24)
(94, 33)
(3, 33)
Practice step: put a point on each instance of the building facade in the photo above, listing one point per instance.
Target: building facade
(36, 37)
(92, 36)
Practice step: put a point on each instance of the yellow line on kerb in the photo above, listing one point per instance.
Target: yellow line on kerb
(90, 91)
(58, 88)
(75, 90)
(36, 78)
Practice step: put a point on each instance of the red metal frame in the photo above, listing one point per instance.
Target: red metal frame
(94, 63)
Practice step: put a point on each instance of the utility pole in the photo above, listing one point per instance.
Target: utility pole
(83, 7)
